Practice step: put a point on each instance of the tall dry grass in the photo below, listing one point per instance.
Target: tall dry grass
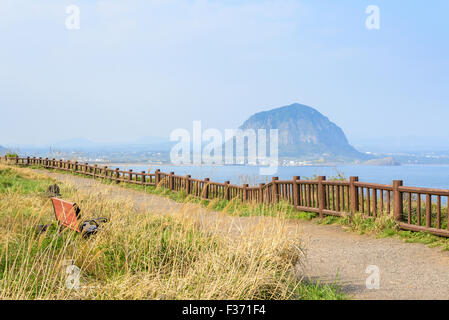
(137, 254)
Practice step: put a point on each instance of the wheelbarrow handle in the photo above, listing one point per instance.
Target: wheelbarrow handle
(104, 220)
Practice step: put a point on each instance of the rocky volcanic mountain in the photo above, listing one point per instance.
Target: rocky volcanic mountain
(305, 133)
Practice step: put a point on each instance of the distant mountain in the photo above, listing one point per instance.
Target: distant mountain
(153, 143)
(2, 151)
(305, 133)
(146, 143)
(74, 143)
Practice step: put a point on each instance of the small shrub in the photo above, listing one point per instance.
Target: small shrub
(12, 155)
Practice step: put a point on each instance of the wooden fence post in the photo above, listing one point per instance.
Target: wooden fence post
(157, 177)
(275, 189)
(130, 174)
(245, 192)
(95, 170)
(227, 194)
(397, 199)
(354, 193)
(428, 211)
(261, 192)
(321, 195)
(117, 175)
(295, 192)
(206, 188)
(188, 183)
(171, 181)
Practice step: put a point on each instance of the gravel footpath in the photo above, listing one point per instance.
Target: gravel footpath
(407, 270)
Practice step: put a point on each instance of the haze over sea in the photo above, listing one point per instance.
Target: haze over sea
(429, 176)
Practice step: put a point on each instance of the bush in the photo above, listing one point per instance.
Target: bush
(12, 155)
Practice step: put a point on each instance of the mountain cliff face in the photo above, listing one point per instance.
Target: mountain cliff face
(305, 133)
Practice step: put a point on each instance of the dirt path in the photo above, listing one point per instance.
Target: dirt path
(407, 271)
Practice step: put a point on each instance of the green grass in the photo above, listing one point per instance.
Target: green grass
(319, 291)
(11, 181)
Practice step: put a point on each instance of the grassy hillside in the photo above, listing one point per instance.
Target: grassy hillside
(137, 255)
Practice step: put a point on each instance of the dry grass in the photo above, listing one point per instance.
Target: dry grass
(137, 255)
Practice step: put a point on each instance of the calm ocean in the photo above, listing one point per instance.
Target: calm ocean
(412, 175)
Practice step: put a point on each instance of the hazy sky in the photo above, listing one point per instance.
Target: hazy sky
(144, 68)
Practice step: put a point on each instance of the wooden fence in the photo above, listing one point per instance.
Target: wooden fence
(415, 209)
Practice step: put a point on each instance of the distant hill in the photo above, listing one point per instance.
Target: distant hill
(305, 133)
(74, 144)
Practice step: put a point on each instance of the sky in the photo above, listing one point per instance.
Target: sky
(144, 68)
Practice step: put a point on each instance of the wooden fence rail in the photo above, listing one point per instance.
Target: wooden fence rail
(415, 209)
